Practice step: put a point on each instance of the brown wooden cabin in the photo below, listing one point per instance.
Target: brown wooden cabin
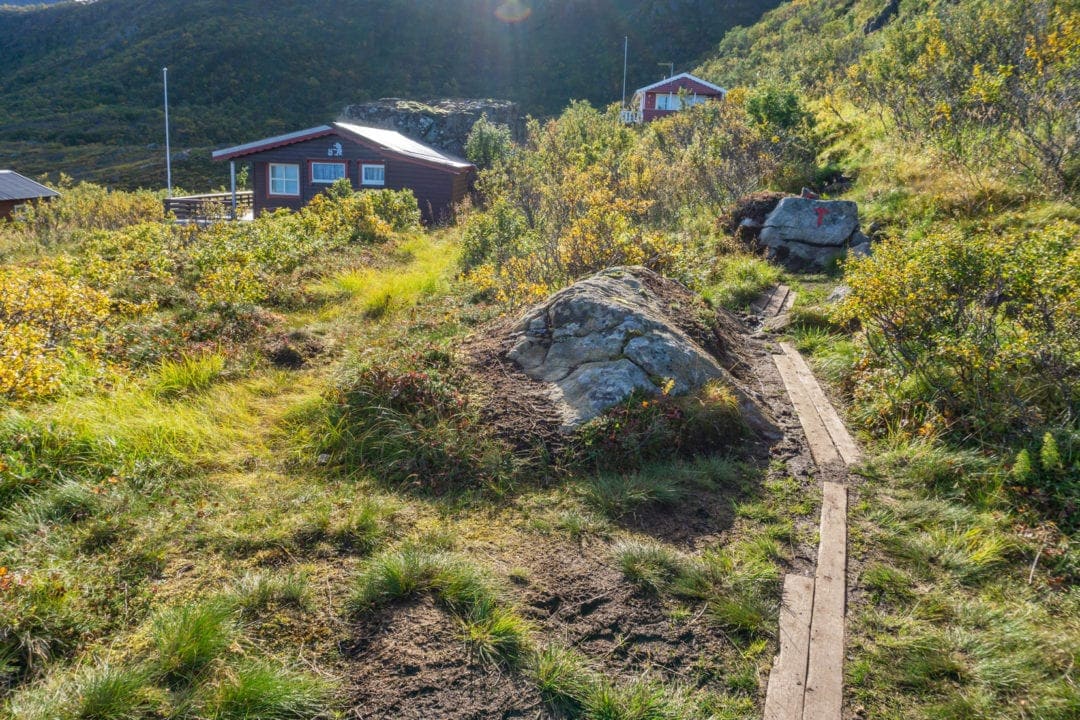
(16, 190)
(670, 96)
(289, 170)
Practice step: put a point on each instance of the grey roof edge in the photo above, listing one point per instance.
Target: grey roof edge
(14, 186)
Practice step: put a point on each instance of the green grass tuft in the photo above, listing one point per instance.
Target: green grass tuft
(189, 374)
(256, 690)
(258, 591)
(187, 638)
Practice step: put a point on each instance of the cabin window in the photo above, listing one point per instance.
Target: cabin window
(674, 101)
(372, 174)
(327, 172)
(284, 179)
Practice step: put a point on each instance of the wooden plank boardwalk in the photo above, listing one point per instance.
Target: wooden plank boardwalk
(806, 682)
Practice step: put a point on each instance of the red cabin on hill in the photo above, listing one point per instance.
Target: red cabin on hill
(669, 96)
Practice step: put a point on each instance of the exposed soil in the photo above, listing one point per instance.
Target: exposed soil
(577, 595)
(755, 208)
(517, 406)
(412, 663)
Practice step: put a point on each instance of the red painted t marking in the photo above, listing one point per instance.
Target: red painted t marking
(821, 213)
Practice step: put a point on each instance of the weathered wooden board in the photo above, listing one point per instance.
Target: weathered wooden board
(787, 681)
(849, 451)
(777, 301)
(821, 444)
(825, 670)
(762, 302)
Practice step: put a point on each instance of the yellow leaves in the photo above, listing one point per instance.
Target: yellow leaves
(41, 313)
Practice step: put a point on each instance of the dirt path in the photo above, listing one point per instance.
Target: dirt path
(806, 682)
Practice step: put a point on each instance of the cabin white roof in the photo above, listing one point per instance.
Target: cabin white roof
(680, 76)
(388, 140)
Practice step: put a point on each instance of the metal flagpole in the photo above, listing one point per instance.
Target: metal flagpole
(625, 53)
(168, 153)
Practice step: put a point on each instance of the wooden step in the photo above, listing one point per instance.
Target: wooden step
(777, 301)
(817, 436)
(825, 670)
(787, 681)
(849, 451)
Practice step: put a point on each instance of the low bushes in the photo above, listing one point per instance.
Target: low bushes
(412, 423)
(123, 277)
(973, 332)
(43, 315)
(647, 428)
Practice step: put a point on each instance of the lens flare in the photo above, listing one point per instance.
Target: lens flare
(513, 11)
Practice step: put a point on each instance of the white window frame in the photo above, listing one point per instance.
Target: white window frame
(344, 172)
(381, 182)
(270, 179)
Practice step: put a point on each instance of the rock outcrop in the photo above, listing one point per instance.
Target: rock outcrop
(602, 339)
(443, 124)
(810, 232)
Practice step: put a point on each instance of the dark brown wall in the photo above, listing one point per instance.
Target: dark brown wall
(7, 207)
(436, 189)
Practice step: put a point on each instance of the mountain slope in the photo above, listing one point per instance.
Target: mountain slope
(92, 73)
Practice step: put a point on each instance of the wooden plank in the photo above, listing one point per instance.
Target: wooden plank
(787, 681)
(789, 301)
(764, 300)
(829, 417)
(821, 444)
(825, 670)
(776, 301)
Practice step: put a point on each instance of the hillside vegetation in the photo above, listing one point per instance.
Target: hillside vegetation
(255, 470)
(86, 79)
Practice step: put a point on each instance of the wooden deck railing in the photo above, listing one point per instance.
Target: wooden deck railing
(210, 206)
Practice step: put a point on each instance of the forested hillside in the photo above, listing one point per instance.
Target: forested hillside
(85, 75)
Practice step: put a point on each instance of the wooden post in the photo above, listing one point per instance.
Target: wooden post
(232, 185)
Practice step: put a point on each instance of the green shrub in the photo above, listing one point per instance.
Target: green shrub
(971, 332)
(396, 208)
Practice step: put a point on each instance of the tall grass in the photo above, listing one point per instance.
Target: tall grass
(378, 292)
(188, 637)
(738, 279)
(189, 374)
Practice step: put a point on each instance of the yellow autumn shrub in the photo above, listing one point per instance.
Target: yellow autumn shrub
(43, 314)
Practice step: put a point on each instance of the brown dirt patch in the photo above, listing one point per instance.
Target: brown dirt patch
(576, 596)
(755, 207)
(515, 405)
(411, 662)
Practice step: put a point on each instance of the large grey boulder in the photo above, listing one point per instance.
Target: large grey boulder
(605, 337)
(809, 231)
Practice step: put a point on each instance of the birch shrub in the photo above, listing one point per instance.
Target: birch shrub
(975, 332)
